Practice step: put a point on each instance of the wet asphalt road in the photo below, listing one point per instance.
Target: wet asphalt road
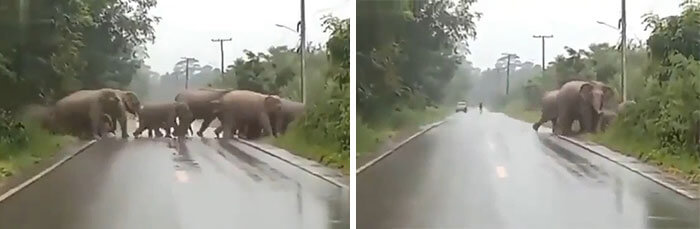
(160, 183)
(490, 171)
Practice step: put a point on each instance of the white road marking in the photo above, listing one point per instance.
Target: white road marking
(182, 176)
(501, 172)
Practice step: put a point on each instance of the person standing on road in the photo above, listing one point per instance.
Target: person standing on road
(481, 106)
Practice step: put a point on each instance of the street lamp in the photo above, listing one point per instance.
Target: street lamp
(301, 56)
(286, 27)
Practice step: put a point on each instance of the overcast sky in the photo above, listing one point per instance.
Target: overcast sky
(508, 26)
(187, 27)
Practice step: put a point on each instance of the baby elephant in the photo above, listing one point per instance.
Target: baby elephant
(163, 115)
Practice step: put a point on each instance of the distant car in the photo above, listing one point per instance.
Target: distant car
(461, 106)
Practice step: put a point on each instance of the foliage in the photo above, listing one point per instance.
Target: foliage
(51, 48)
(412, 55)
(328, 120)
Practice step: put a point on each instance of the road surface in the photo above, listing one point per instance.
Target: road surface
(490, 171)
(161, 183)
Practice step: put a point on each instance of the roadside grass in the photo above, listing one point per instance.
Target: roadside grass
(301, 144)
(516, 109)
(638, 145)
(370, 136)
(41, 145)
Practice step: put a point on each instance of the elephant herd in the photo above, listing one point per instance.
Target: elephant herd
(248, 114)
(587, 102)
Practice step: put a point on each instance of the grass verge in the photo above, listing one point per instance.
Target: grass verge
(370, 136)
(644, 148)
(325, 152)
(41, 145)
(516, 109)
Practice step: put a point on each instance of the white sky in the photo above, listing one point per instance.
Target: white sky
(508, 26)
(187, 27)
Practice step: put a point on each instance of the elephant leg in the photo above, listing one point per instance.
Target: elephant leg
(218, 131)
(205, 125)
(264, 121)
(536, 125)
(227, 125)
(158, 133)
(122, 125)
(139, 130)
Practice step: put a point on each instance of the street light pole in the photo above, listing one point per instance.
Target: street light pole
(543, 37)
(221, 44)
(301, 52)
(623, 71)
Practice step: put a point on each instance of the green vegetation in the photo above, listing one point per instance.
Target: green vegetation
(664, 80)
(17, 153)
(326, 123)
(51, 48)
(412, 64)
(370, 138)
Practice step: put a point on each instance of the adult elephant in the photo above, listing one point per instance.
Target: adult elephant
(549, 110)
(248, 111)
(72, 112)
(130, 103)
(582, 101)
(200, 103)
(290, 110)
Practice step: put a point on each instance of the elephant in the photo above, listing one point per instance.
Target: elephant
(72, 112)
(291, 111)
(549, 110)
(130, 103)
(163, 116)
(248, 111)
(582, 101)
(199, 102)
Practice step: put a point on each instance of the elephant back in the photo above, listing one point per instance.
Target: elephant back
(291, 108)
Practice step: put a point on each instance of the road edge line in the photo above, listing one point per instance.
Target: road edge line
(36, 177)
(329, 180)
(402, 143)
(643, 174)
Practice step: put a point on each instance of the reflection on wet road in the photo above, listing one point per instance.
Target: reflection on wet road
(490, 171)
(162, 183)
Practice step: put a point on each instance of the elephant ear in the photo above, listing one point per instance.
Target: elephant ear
(272, 103)
(586, 91)
(131, 102)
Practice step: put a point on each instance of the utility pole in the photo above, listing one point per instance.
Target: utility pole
(221, 44)
(508, 56)
(187, 70)
(623, 43)
(543, 37)
(302, 50)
